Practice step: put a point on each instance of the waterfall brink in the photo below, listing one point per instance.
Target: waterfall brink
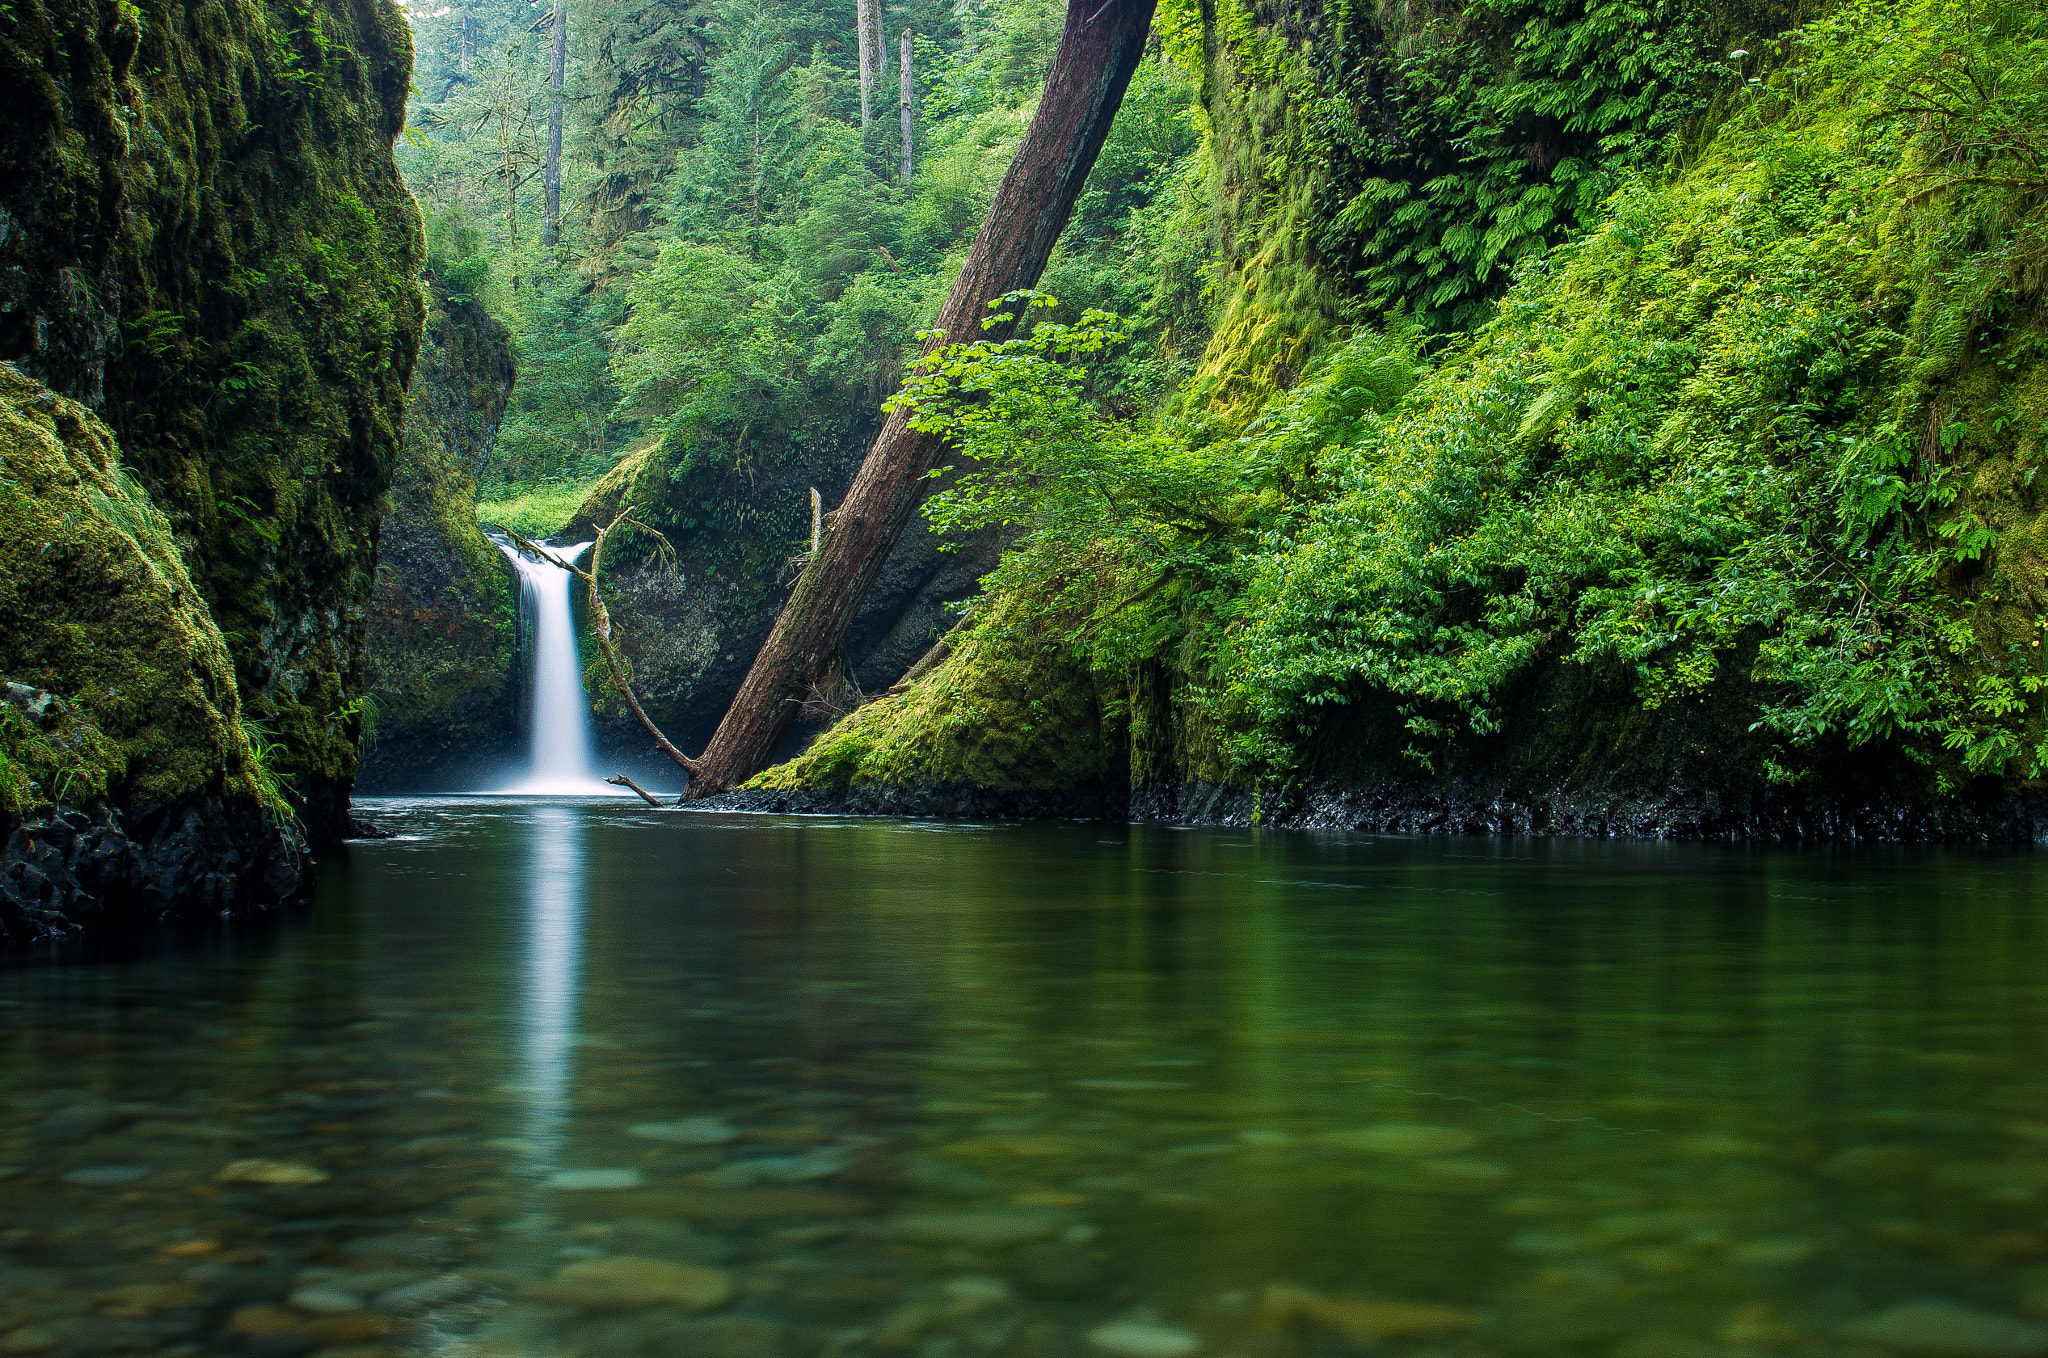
(559, 713)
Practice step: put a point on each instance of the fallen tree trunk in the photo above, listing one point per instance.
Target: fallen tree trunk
(1099, 50)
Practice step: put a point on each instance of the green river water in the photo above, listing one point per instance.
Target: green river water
(596, 1080)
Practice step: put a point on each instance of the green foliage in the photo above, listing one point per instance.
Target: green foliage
(536, 511)
(1720, 425)
(1769, 429)
(114, 681)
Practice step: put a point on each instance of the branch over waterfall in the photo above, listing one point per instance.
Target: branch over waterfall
(601, 622)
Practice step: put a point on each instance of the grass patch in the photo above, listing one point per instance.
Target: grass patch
(536, 510)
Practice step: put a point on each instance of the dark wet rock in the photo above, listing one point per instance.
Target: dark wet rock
(952, 801)
(1058, 1271)
(358, 828)
(102, 871)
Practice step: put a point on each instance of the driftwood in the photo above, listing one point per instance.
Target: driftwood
(621, 780)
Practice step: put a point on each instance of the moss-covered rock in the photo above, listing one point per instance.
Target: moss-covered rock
(204, 239)
(1009, 711)
(116, 691)
(443, 624)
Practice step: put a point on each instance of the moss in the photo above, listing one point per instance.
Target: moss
(102, 613)
(208, 244)
(1009, 711)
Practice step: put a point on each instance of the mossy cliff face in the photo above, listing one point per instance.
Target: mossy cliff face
(1407, 155)
(204, 239)
(116, 691)
(442, 626)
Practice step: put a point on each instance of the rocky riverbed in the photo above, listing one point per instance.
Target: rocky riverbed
(867, 1090)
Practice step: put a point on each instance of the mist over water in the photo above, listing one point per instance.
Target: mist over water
(558, 711)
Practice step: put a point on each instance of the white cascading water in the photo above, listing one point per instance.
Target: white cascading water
(559, 713)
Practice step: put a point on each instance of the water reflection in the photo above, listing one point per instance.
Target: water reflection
(555, 849)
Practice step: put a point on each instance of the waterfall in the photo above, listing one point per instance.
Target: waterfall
(559, 713)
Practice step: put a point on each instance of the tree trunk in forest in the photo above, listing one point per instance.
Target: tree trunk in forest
(867, 36)
(1098, 51)
(551, 221)
(908, 112)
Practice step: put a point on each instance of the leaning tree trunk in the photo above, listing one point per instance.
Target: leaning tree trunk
(1098, 51)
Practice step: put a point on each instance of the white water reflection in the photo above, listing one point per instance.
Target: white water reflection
(552, 975)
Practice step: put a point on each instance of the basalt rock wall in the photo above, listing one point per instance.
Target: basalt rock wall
(205, 242)
(130, 788)
(442, 641)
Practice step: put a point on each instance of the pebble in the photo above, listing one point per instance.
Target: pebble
(1368, 1319)
(272, 1174)
(623, 1282)
(1947, 1327)
(106, 1176)
(423, 1294)
(990, 1229)
(1139, 1339)
(687, 1131)
(326, 1301)
(1402, 1138)
(595, 1178)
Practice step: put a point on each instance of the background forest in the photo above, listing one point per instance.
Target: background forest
(739, 266)
(737, 274)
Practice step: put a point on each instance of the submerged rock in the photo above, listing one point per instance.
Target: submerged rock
(1401, 1138)
(106, 1176)
(700, 1131)
(271, 1173)
(1947, 1327)
(623, 1281)
(991, 1228)
(1368, 1319)
(1142, 1339)
(586, 1179)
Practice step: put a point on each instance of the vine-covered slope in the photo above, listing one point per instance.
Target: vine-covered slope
(1725, 520)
